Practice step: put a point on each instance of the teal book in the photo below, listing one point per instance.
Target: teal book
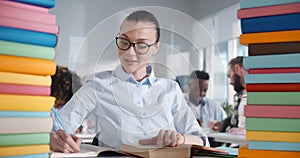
(272, 61)
(273, 124)
(262, 3)
(273, 78)
(273, 98)
(27, 36)
(24, 139)
(43, 155)
(284, 146)
(40, 3)
(25, 114)
(26, 50)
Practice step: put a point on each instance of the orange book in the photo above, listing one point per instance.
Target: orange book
(24, 150)
(11, 102)
(27, 65)
(244, 152)
(24, 79)
(270, 37)
(273, 136)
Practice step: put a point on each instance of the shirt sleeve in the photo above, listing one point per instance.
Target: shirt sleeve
(74, 111)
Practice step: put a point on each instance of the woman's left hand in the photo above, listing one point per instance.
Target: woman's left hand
(165, 138)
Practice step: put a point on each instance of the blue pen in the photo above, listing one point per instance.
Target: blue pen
(60, 121)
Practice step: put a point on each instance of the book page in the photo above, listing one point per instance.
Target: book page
(86, 150)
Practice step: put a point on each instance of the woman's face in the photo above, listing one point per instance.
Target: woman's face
(137, 32)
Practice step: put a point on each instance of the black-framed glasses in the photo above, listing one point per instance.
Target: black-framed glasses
(139, 47)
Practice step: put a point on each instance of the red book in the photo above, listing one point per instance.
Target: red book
(272, 111)
(274, 70)
(28, 25)
(268, 10)
(27, 15)
(24, 6)
(24, 89)
(273, 87)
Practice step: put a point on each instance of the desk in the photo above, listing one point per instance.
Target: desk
(86, 138)
(228, 138)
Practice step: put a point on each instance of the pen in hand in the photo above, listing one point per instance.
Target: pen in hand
(60, 121)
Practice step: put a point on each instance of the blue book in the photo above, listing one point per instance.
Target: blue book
(22, 114)
(273, 78)
(27, 36)
(262, 3)
(272, 61)
(283, 22)
(41, 3)
(285, 146)
(43, 155)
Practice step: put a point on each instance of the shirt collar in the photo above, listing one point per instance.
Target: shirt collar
(120, 73)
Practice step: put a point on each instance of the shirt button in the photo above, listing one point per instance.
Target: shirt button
(145, 133)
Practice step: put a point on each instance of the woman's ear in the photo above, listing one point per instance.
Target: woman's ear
(156, 47)
(238, 69)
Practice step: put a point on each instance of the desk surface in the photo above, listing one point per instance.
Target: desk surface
(229, 138)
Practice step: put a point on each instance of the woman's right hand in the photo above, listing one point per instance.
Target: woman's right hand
(63, 142)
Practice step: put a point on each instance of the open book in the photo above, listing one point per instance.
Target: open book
(181, 151)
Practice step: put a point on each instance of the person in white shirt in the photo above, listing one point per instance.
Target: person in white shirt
(208, 113)
(131, 104)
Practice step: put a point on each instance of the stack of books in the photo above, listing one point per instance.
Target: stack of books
(271, 30)
(28, 36)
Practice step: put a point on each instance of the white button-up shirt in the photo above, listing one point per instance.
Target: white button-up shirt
(127, 110)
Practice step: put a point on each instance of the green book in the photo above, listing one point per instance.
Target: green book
(26, 50)
(273, 98)
(273, 124)
(24, 139)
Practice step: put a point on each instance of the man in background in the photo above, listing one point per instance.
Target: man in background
(208, 114)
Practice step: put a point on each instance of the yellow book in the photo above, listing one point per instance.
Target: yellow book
(273, 136)
(26, 79)
(244, 152)
(27, 65)
(12, 102)
(25, 125)
(270, 37)
(23, 150)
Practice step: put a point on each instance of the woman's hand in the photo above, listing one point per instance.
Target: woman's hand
(63, 142)
(165, 138)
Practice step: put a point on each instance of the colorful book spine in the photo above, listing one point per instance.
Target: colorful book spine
(26, 50)
(42, 155)
(23, 150)
(270, 37)
(12, 11)
(26, 79)
(272, 78)
(27, 65)
(21, 114)
(12, 102)
(28, 25)
(24, 89)
(276, 87)
(274, 70)
(272, 61)
(27, 36)
(276, 111)
(271, 23)
(41, 3)
(273, 48)
(25, 125)
(268, 11)
(263, 3)
(263, 145)
(244, 152)
(273, 136)
(24, 139)
(273, 98)
(273, 124)
(22, 6)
